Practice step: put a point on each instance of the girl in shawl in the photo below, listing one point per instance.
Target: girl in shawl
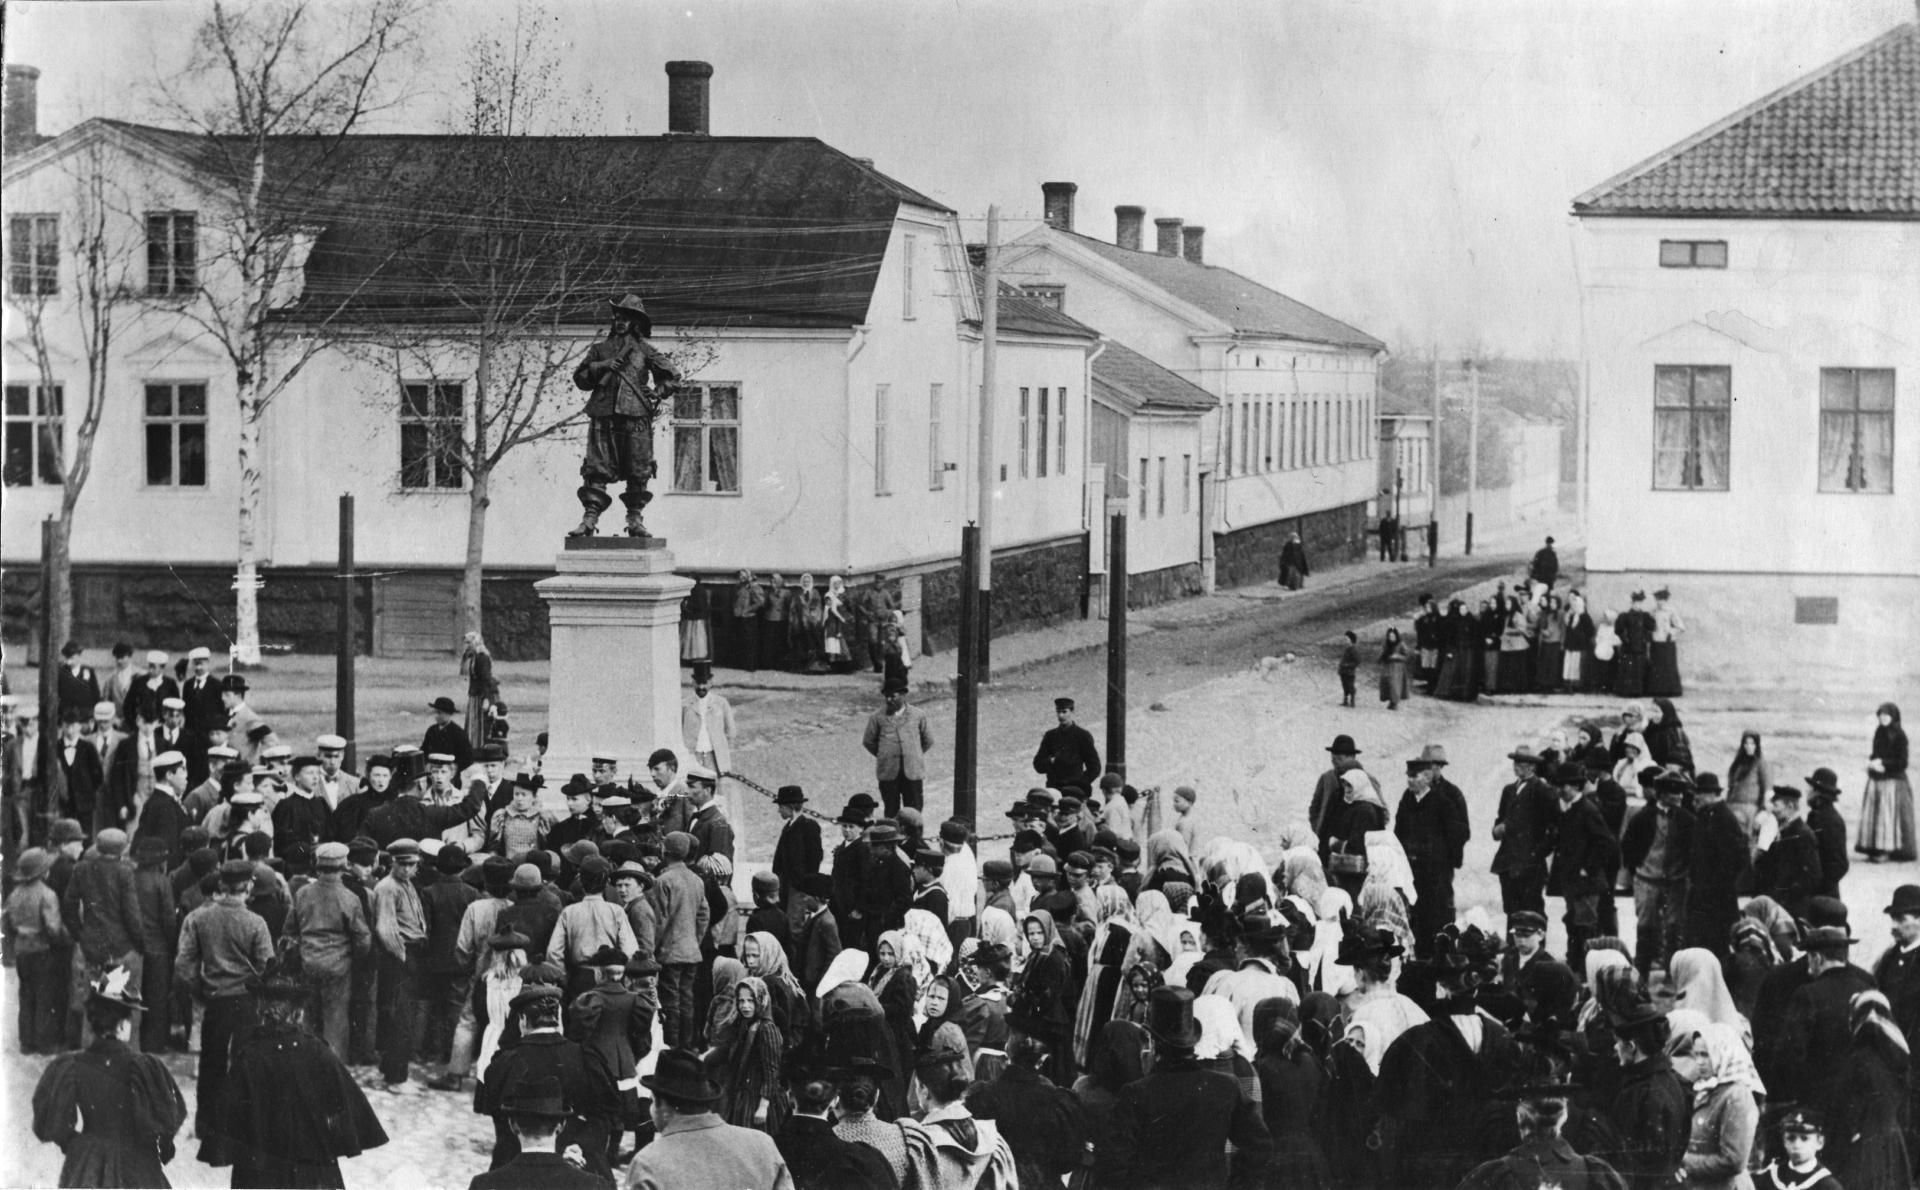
(1698, 984)
(1726, 1110)
(1886, 814)
(1364, 812)
(1871, 1103)
(1290, 1080)
(1577, 641)
(727, 974)
(765, 959)
(1666, 738)
(746, 1061)
(838, 620)
(1130, 1004)
(1044, 1001)
(1779, 925)
(1121, 1054)
(1158, 939)
(1300, 874)
(1116, 942)
(1167, 861)
(1749, 779)
(894, 986)
(1223, 1044)
(1633, 758)
(476, 661)
(1394, 659)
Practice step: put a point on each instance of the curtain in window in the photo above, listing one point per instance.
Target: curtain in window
(1836, 450)
(723, 448)
(1876, 452)
(686, 459)
(1670, 447)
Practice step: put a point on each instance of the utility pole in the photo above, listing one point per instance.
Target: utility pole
(967, 697)
(38, 820)
(1473, 445)
(989, 351)
(345, 639)
(1117, 645)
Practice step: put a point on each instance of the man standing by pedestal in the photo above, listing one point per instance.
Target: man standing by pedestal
(707, 722)
(628, 379)
(1067, 755)
(899, 739)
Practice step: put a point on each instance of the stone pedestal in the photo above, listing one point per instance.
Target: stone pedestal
(614, 607)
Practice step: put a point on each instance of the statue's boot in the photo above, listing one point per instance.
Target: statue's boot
(588, 526)
(635, 526)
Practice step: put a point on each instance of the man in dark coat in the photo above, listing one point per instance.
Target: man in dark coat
(887, 885)
(1585, 851)
(1789, 870)
(1823, 787)
(815, 1157)
(849, 876)
(1652, 1109)
(1717, 866)
(1326, 810)
(1524, 824)
(588, 1090)
(818, 942)
(536, 1113)
(1543, 1157)
(1044, 1125)
(404, 815)
(162, 817)
(1173, 1127)
(1816, 1029)
(447, 737)
(82, 773)
(1777, 990)
(1432, 829)
(1655, 848)
(798, 853)
(1067, 755)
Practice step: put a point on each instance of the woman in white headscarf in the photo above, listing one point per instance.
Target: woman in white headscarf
(1726, 1109)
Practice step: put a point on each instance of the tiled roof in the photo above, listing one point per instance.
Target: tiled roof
(1021, 313)
(1247, 306)
(1842, 142)
(1132, 381)
(711, 231)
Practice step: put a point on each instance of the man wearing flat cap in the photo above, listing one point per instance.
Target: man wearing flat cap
(224, 947)
(629, 379)
(1066, 755)
(328, 925)
(147, 690)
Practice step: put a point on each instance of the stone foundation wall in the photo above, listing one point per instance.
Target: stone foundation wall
(1032, 587)
(1252, 555)
(1163, 585)
(176, 609)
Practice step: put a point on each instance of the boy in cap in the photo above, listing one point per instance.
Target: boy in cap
(146, 691)
(36, 944)
(927, 893)
(818, 941)
(328, 926)
(679, 899)
(960, 876)
(587, 926)
(449, 975)
(104, 915)
(156, 938)
(337, 784)
(224, 946)
(400, 931)
(1066, 755)
(1803, 1135)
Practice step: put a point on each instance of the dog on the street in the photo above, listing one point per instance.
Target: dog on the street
(1266, 667)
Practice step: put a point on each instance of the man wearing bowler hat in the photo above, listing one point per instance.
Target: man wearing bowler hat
(693, 1148)
(1816, 1030)
(446, 736)
(1432, 828)
(1525, 822)
(1328, 808)
(589, 1098)
(1898, 969)
(534, 1112)
(1066, 755)
(1829, 829)
(629, 380)
(798, 853)
(1173, 1127)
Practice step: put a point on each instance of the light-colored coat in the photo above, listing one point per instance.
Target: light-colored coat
(719, 729)
(704, 1152)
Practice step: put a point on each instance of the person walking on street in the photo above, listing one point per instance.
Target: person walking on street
(898, 738)
(1067, 756)
(1293, 563)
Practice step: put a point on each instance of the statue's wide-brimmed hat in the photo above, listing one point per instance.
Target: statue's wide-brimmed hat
(631, 304)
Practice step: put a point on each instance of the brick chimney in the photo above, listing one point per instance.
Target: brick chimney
(1169, 233)
(1192, 243)
(22, 114)
(1126, 226)
(687, 98)
(1059, 203)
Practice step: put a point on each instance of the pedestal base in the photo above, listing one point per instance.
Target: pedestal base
(614, 608)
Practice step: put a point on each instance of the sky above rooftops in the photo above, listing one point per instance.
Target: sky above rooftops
(1405, 167)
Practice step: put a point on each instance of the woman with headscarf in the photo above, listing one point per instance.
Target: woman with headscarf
(941, 1029)
(1699, 984)
(894, 986)
(1157, 938)
(1666, 738)
(1886, 812)
(1121, 1054)
(854, 1027)
(1577, 641)
(1394, 659)
(1290, 1082)
(766, 960)
(982, 1014)
(837, 623)
(1516, 666)
(1866, 1145)
(933, 947)
(1726, 1110)
(1749, 779)
(1045, 999)
(1364, 811)
(1550, 647)
(1223, 1044)
(1116, 942)
(1300, 874)
(1457, 644)
(721, 1009)
(1167, 861)
(1750, 960)
(745, 1060)
(476, 662)
(1633, 758)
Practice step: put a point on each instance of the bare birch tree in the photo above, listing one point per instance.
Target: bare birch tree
(273, 89)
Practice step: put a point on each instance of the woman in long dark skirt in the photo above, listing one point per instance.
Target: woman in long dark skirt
(1886, 813)
(1663, 662)
(1549, 649)
(1293, 563)
(1394, 660)
(1457, 650)
(1578, 636)
(1491, 622)
(1866, 1146)
(1290, 1082)
(476, 661)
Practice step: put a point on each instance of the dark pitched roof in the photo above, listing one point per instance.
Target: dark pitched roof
(715, 231)
(1132, 381)
(1248, 306)
(1027, 315)
(1842, 142)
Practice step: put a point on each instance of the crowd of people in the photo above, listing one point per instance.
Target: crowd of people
(1108, 1001)
(799, 626)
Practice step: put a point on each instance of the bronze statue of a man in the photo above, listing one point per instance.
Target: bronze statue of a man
(629, 379)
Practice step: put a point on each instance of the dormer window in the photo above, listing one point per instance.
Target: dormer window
(1693, 254)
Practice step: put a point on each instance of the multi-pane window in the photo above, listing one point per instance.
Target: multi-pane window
(432, 434)
(706, 437)
(1041, 469)
(171, 253)
(936, 426)
(33, 255)
(1060, 430)
(1692, 407)
(1143, 489)
(1160, 494)
(1693, 254)
(1856, 429)
(176, 425)
(32, 434)
(882, 398)
(1026, 433)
